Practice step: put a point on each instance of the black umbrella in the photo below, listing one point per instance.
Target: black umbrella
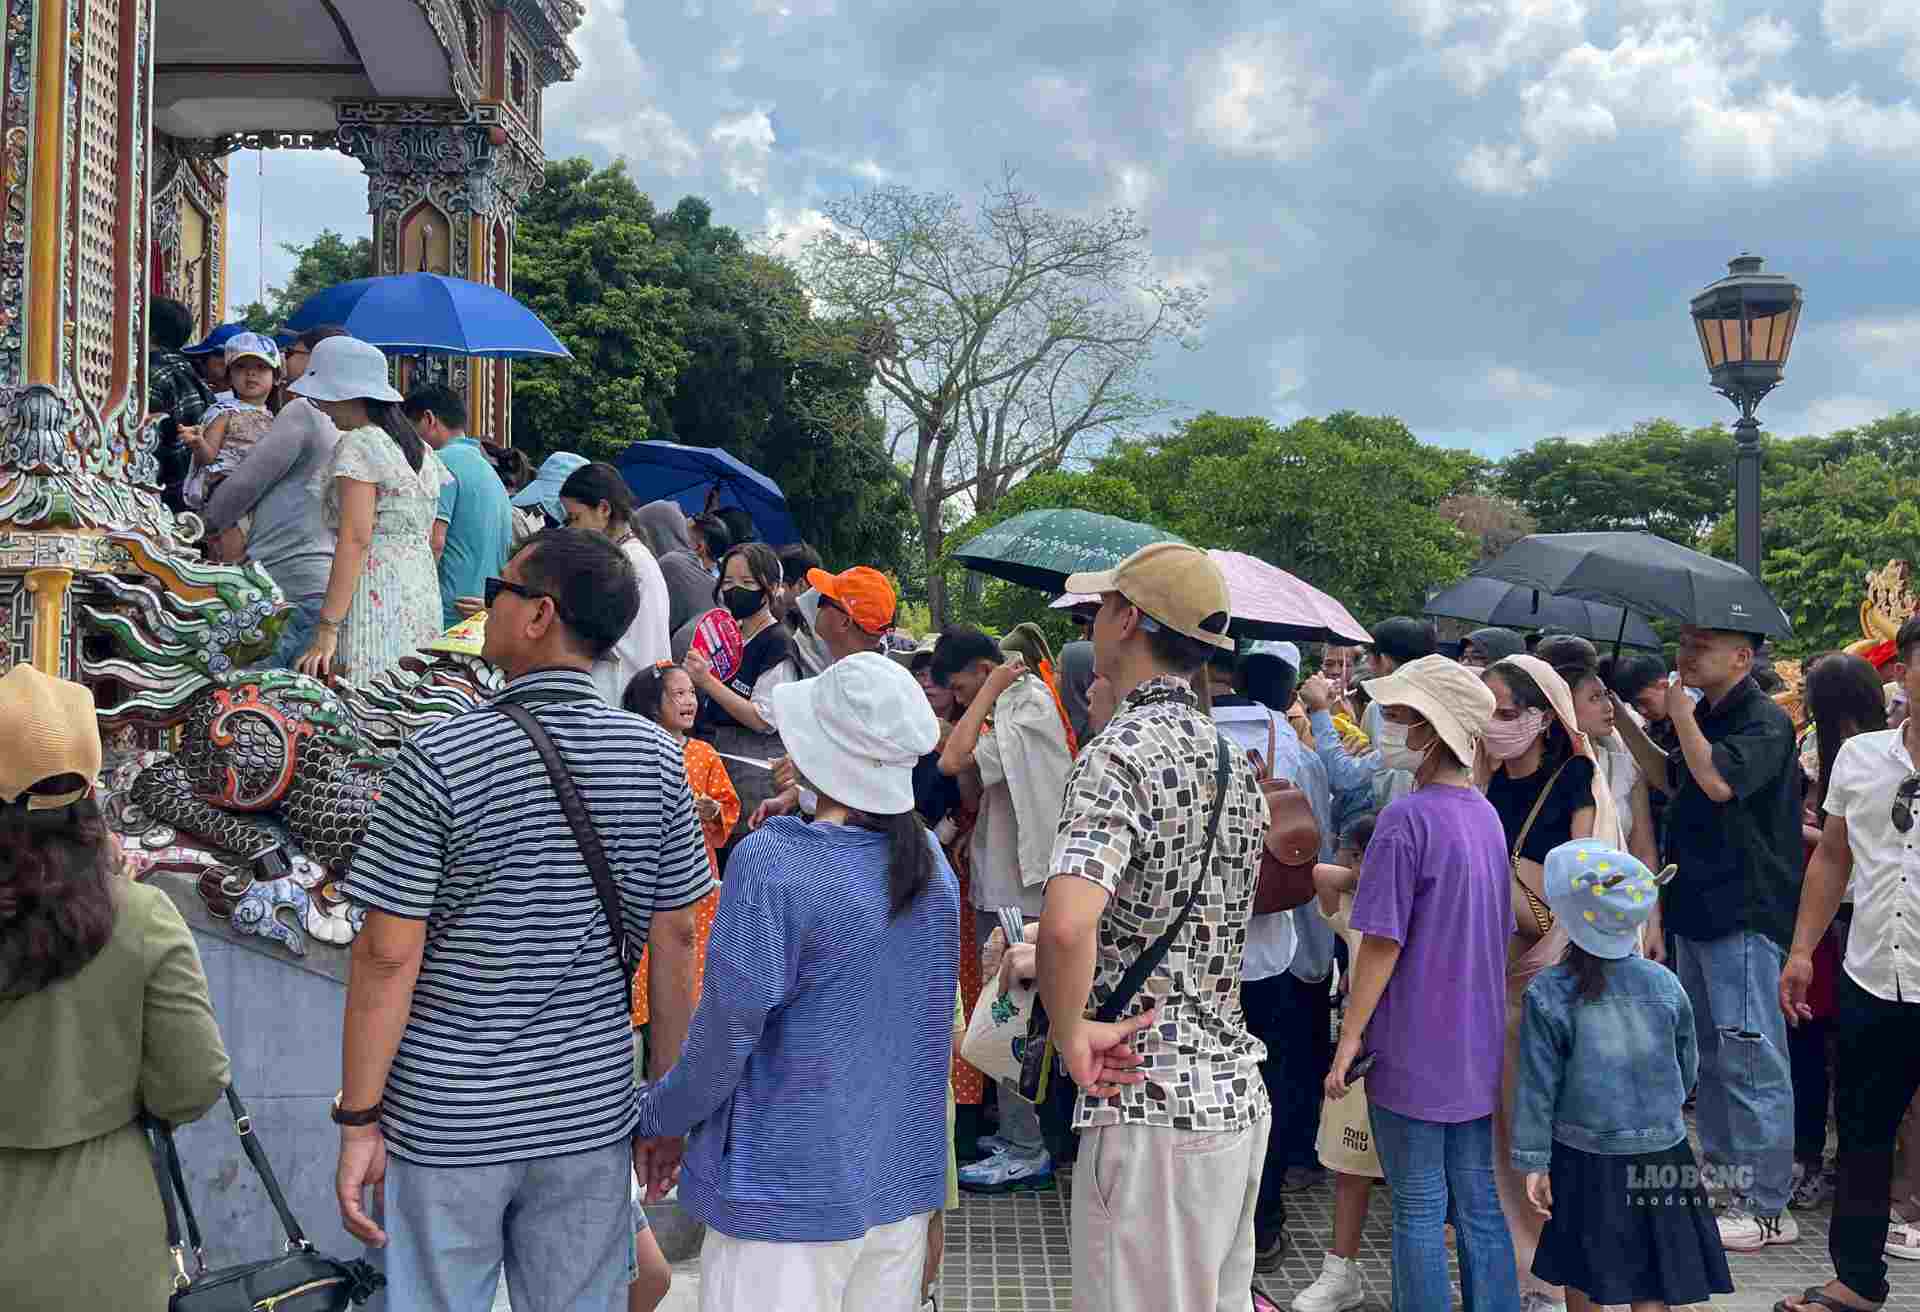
(1517, 606)
(1644, 573)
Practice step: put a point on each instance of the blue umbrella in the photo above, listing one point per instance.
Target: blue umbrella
(215, 340)
(668, 471)
(431, 314)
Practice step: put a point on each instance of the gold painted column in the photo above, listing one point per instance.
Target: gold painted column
(48, 588)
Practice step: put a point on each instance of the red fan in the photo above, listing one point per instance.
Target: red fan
(717, 637)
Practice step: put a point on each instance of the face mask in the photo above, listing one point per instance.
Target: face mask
(1507, 739)
(1394, 752)
(742, 602)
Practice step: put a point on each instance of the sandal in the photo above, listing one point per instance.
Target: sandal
(1903, 1238)
(1816, 1296)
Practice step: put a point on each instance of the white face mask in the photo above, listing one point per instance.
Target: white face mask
(1394, 752)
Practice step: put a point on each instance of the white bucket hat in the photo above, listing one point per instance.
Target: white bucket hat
(1449, 696)
(857, 730)
(345, 369)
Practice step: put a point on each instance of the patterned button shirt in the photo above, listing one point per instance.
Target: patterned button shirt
(1134, 822)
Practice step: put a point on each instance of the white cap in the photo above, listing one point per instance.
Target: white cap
(1280, 651)
(345, 369)
(255, 345)
(857, 730)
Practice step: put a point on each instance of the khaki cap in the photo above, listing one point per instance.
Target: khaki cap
(50, 728)
(1449, 696)
(1175, 584)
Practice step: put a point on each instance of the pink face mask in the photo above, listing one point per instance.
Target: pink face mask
(1507, 739)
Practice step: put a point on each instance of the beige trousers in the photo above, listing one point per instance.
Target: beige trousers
(878, 1272)
(1163, 1219)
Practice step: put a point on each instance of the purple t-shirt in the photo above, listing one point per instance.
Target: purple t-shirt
(1435, 880)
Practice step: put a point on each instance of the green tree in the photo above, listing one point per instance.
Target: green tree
(997, 606)
(326, 261)
(586, 260)
(1351, 504)
(1823, 530)
(1659, 477)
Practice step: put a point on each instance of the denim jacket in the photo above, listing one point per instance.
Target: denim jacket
(1606, 1076)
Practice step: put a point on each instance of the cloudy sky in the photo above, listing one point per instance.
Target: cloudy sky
(1483, 216)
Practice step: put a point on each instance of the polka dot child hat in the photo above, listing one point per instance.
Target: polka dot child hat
(1602, 895)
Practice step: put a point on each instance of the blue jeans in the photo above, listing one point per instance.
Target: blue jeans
(1442, 1172)
(561, 1226)
(1744, 1110)
(298, 633)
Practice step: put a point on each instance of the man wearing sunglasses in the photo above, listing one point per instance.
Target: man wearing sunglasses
(1734, 831)
(1870, 838)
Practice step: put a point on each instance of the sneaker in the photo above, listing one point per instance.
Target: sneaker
(1337, 1290)
(1812, 1186)
(1008, 1173)
(1269, 1257)
(987, 1145)
(1742, 1231)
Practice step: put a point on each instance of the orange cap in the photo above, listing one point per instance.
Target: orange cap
(862, 592)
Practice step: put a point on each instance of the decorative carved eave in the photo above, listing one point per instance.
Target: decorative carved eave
(548, 24)
(444, 19)
(227, 144)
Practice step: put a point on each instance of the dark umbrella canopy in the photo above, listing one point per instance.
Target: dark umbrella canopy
(1518, 606)
(1644, 573)
(1039, 548)
(668, 471)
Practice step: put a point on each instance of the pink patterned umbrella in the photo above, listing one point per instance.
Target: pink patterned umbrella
(1268, 602)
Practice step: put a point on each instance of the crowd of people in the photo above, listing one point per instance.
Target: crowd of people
(651, 922)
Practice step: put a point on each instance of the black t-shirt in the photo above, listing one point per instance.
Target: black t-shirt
(766, 650)
(1740, 861)
(1514, 799)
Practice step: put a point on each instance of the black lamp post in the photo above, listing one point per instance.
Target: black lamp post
(1746, 323)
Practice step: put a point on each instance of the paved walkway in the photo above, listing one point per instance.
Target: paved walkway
(1011, 1255)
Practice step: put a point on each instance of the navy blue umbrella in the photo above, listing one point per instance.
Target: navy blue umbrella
(431, 314)
(668, 471)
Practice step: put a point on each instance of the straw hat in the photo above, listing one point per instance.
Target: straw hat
(857, 730)
(50, 729)
(1173, 584)
(1449, 696)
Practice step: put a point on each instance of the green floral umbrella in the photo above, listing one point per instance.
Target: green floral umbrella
(1040, 548)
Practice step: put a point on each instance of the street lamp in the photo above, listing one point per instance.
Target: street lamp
(1746, 322)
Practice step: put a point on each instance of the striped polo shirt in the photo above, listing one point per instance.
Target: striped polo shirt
(519, 1044)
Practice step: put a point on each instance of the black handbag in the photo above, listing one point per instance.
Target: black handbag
(301, 1280)
(1043, 1080)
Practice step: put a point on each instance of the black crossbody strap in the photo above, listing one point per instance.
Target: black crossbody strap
(584, 833)
(1149, 961)
(172, 1184)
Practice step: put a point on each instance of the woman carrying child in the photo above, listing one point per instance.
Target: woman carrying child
(1607, 1054)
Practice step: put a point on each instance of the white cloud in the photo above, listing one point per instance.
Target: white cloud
(1261, 95)
(1508, 384)
(1873, 25)
(610, 102)
(745, 143)
(1678, 82)
(789, 230)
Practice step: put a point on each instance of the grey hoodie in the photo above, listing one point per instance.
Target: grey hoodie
(662, 525)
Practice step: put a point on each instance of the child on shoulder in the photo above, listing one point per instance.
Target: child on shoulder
(1607, 1054)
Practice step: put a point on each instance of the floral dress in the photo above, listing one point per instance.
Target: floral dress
(396, 607)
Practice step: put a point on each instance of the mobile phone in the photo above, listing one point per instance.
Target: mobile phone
(1361, 1066)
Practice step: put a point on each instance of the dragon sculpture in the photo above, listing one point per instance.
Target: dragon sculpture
(275, 774)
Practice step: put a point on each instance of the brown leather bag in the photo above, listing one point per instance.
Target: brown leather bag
(1292, 845)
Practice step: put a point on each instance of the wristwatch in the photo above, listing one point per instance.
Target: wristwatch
(368, 1116)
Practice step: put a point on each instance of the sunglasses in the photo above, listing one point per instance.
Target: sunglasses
(497, 586)
(1903, 802)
